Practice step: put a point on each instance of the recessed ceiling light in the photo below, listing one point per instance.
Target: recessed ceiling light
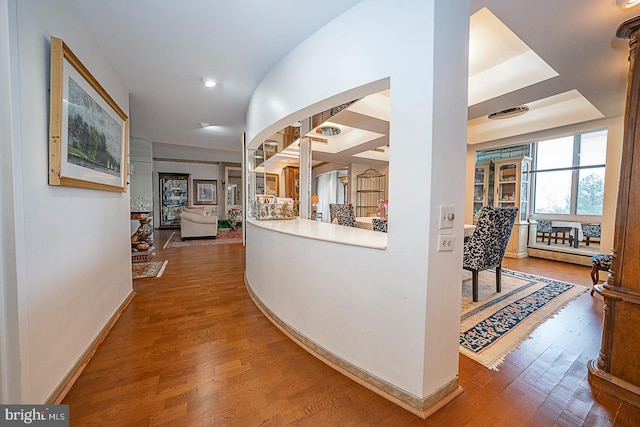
(271, 143)
(208, 82)
(204, 125)
(509, 112)
(328, 131)
(627, 4)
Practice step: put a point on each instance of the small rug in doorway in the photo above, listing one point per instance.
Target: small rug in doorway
(224, 236)
(496, 325)
(143, 270)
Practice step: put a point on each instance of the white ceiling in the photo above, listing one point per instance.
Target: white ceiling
(162, 50)
(576, 39)
(499, 61)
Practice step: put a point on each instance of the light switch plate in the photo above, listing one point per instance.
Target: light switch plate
(447, 216)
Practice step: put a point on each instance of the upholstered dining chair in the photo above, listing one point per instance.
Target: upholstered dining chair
(544, 229)
(591, 231)
(346, 220)
(342, 213)
(379, 224)
(487, 245)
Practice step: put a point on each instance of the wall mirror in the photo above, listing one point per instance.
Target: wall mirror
(232, 187)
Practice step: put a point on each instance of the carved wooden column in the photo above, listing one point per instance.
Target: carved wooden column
(617, 369)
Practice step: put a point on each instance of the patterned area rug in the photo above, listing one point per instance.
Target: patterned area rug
(143, 270)
(496, 325)
(224, 236)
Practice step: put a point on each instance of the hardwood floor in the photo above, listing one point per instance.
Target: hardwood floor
(192, 349)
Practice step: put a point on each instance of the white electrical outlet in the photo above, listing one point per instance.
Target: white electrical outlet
(446, 242)
(446, 217)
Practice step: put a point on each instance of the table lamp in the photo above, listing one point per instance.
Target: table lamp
(314, 202)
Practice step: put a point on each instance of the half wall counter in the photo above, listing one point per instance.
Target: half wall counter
(329, 288)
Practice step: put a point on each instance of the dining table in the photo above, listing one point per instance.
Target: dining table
(468, 230)
(365, 222)
(576, 230)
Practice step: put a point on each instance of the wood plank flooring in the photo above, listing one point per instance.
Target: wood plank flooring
(193, 350)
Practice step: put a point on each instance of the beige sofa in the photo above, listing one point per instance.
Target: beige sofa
(196, 223)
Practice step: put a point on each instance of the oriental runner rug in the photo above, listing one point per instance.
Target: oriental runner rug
(143, 270)
(224, 236)
(496, 325)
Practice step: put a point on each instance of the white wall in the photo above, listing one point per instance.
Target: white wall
(141, 172)
(10, 387)
(611, 182)
(404, 326)
(72, 258)
(141, 159)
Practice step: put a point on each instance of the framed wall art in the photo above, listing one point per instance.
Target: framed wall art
(272, 181)
(88, 131)
(205, 191)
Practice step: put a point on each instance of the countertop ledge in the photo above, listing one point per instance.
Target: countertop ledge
(317, 230)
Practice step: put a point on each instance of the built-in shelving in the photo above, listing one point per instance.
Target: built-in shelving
(512, 189)
(482, 187)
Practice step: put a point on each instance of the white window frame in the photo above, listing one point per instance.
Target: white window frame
(575, 168)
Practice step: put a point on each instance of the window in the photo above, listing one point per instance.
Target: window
(569, 174)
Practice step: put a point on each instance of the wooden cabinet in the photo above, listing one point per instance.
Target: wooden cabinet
(174, 196)
(511, 182)
(292, 182)
(617, 371)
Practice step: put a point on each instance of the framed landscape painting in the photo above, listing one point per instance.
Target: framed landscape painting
(205, 191)
(88, 132)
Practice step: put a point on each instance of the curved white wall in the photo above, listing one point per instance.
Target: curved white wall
(72, 257)
(395, 312)
(333, 294)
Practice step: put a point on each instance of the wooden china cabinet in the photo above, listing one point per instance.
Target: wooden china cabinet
(617, 368)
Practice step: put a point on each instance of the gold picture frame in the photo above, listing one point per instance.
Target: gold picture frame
(272, 184)
(88, 131)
